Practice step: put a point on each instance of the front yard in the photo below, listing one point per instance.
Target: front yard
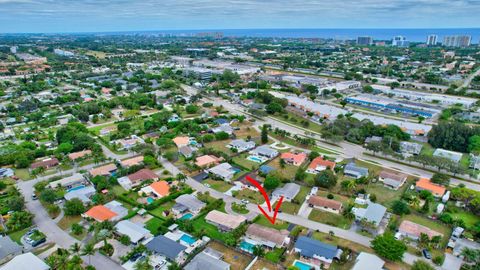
(332, 219)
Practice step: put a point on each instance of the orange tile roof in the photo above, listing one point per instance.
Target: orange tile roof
(161, 187)
(132, 161)
(425, 184)
(100, 213)
(80, 154)
(180, 141)
(296, 157)
(103, 170)
(206, 160)
(319, 161)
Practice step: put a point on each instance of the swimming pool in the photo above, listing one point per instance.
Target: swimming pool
(248, 247)
(150, 200)
(255, 159)
(188, 239)
(186, 216)
(302, 265)
(76, 188)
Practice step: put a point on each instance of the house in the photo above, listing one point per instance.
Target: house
(186, 151)
(391, 179)
(373, 139)
(265, 169)
(315, 252)
(352, 170)
(267, 237)
(374, 213)
(45, 163)
(425, 184)
(6, 172)
(410, 148)
(174, 118)
(159, 189)
(134, 161)
(206, 261)
(319, 164)
(223, 170)
(8, 249)
(135, 179)
(474, 162)
(111, 211)
(295, 159)
(187, 202)
(76, 180)
(181, 141)
(241, 145)
(26, 261)
(166, 247)
(223, 128)
(84, 194)
(367, 261)
(288, 192)
(129, 143)
(413, 230)
(206, 161)
(244, 183)
(134, 231)
(105, 170)
(451, 155)
(224, 222)
(78, 155)
(264, 151)
(325, 204)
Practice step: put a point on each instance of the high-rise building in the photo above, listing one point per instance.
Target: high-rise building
(364, 40)
(457, 41)
(400, 41)
(432, 40)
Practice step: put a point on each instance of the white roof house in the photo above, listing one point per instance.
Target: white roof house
(241, 145)
(367, 261)
(288, 191)
(451, 155)
(82, 194)
(264, 151)
(26, 261)
(134, 231)
(223, 170)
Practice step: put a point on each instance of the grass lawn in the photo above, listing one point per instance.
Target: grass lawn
(16, 236)
(332, 219)
(469, 218)
(385, 195)
(297, 121)
(200, 224)
(220, 146)
(302, 194)
(344, 199)
(23, 174)
(159, 210)
(372, 168)
(236, 259)
(66, 222)
(274, 255)
(245, 163)
(153, 224)
(250, 195)
(220, 185)
(279, 224)
(246, 131)
(96, 129)
(288, 172)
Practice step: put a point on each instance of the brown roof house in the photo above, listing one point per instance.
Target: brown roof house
(267, 237)
(135, 179)
(224, 222)
(393, 180)
(104, 170)
(413, 230)
(45, 163)
(325, 204)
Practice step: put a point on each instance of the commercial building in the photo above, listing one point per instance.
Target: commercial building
(400, 41)
(432, 40)
(364, 40)
(457, 41)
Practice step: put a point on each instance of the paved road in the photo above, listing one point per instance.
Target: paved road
(345, 149)
(469, 79)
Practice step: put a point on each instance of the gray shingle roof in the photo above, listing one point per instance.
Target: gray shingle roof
(7, 247)
(309, 247)
(204, 261)
(165, 246)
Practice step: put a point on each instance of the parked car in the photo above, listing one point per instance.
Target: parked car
(34, 197)
(426, 254)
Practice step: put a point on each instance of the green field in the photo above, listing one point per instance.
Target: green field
(332, 219)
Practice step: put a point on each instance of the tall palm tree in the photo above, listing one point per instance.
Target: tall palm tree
(75, 248)
(258, 251)
(75, 263)
(88, 250)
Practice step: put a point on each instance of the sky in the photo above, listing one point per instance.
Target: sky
(45, 16)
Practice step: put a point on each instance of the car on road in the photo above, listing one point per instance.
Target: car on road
(245, 201)
(426, 254)
(34, 197)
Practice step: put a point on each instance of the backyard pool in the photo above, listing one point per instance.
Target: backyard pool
(150, 200)
(246, 246)
(186, 216)
(76, 188)
(255, 159)
(302, 265)
(188, 239)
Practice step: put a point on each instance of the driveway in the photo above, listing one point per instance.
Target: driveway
(451, 262)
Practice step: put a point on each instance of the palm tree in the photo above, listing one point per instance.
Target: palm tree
(75, 263)
(88, 250)
(258, 251)
(75, 248)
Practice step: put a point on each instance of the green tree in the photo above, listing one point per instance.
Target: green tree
(264, 134)
(48, 195)
(74, 207)
(422, 265)
(88, 250)
(441, 179)
(400, 208)
(388, 247)
(326, 179)
(271, 182)
(19, 220)
(258, 251)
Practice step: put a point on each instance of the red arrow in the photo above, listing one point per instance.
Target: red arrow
(267, 200)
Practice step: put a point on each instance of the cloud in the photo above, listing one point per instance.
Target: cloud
(190, 14)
